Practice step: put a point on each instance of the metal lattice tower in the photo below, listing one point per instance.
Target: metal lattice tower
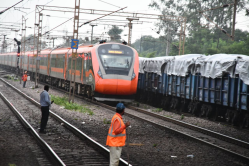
(37, 42)
(74, 51)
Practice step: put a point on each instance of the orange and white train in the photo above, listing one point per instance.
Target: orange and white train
(107, 72)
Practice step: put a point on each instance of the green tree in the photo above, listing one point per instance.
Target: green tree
(115, 32)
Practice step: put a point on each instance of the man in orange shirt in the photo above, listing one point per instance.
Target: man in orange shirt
(117, 135)
(24, 78)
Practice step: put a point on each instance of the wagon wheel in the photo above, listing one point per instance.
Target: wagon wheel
(166, 103)
(203, 111)
(235, 118)
(182, 108)
(190, 107)
(196, 109)
(210, 111)
(215, 115)
(89, 92)
(171, 107)
(228, 116)
(177, 105)
(242, 123)
(247, 122)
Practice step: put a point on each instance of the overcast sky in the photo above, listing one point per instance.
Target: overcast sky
(59, 17)
(56, 18)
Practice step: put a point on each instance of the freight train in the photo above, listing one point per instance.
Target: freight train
(104, 71)
(215, 86)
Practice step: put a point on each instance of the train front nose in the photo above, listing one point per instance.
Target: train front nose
(115, 87)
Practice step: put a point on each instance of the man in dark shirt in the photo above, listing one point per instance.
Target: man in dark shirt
(45, 105)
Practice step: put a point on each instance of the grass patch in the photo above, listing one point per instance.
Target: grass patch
(136, 104)
(145, 107)
(63, 101)
(13, 78)
(107, 121)
(157, 110)
(182, 117)
(12, 164)
(154, 145)
(168, 116)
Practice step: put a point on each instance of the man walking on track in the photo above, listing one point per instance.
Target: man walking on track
(45, 105)
(24, 78)
(117, 135)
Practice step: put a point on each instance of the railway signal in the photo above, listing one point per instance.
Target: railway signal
(18, 55)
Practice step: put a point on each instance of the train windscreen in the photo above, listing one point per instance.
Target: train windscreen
(116, 59)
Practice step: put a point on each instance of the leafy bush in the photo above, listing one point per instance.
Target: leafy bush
(63, 101)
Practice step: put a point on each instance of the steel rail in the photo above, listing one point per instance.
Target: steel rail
(194, 127)
(242, 157)
(55, 159)
(103, 150)
(212, 133)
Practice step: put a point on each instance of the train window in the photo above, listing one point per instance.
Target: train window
(52, 63)
(85, 61)
(43, 61)
(79, 63)
(31, 59)
(69, 63)
(116, 61)
(90, 61)
(61, 61)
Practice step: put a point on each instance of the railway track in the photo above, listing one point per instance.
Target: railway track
(14, 128)
(222, 142)
(230, 145)
(71, 145)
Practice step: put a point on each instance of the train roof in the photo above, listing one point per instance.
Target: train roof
(242, 68)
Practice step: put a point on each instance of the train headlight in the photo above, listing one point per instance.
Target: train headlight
(133, 75)
(100, 74)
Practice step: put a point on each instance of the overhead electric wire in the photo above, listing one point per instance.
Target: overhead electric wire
(109, 3)
(10, 7)
(102, 16)
(58, 25)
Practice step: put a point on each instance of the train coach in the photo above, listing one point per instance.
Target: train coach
(215, 86)
(106, 71)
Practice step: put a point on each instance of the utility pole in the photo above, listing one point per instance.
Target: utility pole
(4, 44)
(22, 45)
(180, 40)
(92, 33)
(141, 39)
(53, 38)
(74, 51)
(130, 29)
(167, 47)
(234, 17)
(38, 28)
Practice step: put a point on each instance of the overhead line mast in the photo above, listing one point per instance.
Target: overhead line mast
(74, 51)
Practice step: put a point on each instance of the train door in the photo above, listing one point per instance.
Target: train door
(48, 64)
(84, 67)
(65, 66)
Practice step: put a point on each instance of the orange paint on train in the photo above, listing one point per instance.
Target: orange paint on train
(43, 67)
(58, 70)
(88, 73)
(115, 86)
(77, 72)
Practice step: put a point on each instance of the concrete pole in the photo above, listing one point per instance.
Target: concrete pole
(92, 33)
(234, 17)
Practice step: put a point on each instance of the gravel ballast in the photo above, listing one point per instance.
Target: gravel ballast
(17, 146)
(151, 146)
